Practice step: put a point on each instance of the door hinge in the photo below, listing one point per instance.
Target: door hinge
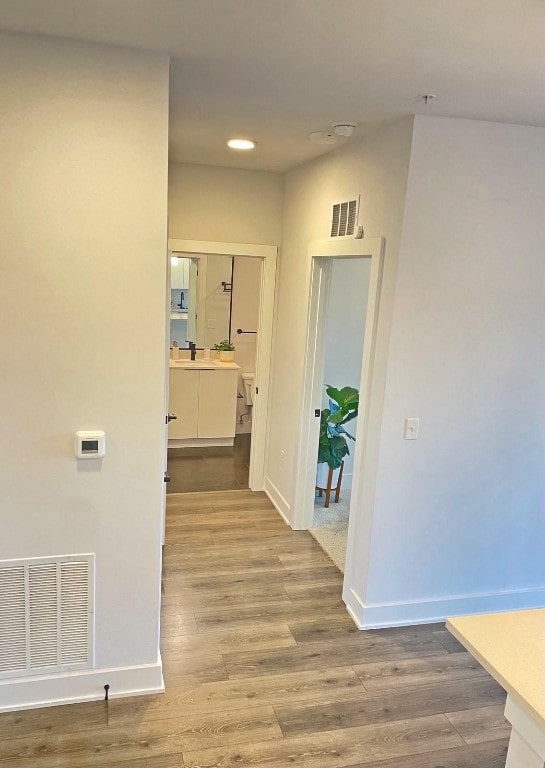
(166, 478)
(257, 390)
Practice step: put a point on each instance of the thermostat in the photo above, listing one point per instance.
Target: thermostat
(90, 444)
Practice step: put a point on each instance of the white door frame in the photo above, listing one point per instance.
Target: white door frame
(321, 253)
(268, 254)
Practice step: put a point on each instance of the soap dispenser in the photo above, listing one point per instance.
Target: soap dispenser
(174, 351)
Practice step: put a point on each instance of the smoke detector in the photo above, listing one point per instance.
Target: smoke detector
(343, 129)
(337, 131)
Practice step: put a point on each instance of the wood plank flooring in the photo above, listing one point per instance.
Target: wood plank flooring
(263, 667)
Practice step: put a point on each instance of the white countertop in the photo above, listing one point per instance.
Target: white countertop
(511, 646)
(203, 365)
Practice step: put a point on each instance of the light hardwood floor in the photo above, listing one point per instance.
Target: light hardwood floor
(263, 667)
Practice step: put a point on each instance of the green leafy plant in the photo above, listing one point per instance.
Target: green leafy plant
(343, 407)
(224, 346)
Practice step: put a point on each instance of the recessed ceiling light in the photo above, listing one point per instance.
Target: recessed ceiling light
(241, 144)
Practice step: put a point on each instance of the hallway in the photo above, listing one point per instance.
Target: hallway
(263, 667)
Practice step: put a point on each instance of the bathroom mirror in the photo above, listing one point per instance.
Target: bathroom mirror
(200, 299)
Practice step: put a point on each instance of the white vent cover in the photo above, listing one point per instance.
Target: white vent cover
(46, 614)
(344, 218)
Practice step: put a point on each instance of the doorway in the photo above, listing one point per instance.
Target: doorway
(217, 438)
(322, 255)
(343, 335)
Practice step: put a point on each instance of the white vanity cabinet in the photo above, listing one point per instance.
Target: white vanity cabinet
(205, 403)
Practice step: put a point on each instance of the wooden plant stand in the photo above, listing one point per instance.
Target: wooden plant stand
(329, 489)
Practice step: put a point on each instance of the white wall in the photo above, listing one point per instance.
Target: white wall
(461, 511)
(375, 167)
(245, 315)
(344, 333)
(453, 522)
(83, 162)
(228, 205)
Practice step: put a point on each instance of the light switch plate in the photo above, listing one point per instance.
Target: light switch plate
(411, 429)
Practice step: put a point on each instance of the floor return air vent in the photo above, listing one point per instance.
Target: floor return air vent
(46, 615)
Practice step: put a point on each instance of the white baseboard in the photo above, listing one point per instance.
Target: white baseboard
(354, 606)
(76, 687)
(282, 506)
(433, 611)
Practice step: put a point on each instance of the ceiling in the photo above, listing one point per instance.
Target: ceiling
(275, 70)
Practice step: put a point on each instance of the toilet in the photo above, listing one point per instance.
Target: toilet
(248, 380)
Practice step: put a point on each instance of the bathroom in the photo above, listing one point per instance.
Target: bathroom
(214, 301)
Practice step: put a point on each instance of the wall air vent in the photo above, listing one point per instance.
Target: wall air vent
(344, 218)
(46, 614)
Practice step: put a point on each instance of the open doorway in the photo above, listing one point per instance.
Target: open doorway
(221, 295)
(214, 302)
(323, 255)
(343, 336)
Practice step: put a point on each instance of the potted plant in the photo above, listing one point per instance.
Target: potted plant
(333, 446)
(226, 351)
